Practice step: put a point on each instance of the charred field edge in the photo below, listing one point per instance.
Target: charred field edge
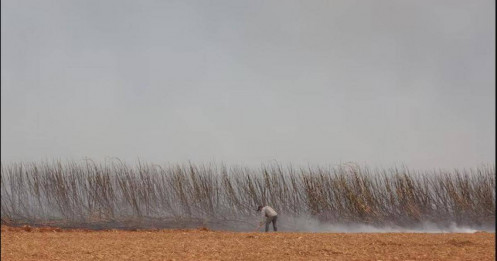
(115, 195)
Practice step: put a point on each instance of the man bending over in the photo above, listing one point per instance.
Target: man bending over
(269, 215)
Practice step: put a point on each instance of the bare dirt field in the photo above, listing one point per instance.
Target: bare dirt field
(202, 244)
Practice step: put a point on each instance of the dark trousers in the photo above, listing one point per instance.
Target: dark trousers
(273, 220)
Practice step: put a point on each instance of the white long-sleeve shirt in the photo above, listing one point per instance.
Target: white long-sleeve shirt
(268, 211)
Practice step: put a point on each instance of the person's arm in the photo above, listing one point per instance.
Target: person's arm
(261, 223)
(263, 213)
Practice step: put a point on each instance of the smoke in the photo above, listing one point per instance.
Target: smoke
(310, 224)
(285, 223)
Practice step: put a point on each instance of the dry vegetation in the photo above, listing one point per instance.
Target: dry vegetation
(201, 244)
(116, 195)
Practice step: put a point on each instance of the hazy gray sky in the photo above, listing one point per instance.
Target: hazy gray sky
(319, 82)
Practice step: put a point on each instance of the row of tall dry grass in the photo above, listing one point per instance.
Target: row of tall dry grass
(82, 193)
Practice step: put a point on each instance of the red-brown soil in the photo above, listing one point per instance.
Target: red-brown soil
(26, 243)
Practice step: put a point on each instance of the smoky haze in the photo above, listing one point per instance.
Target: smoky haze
(248, 82)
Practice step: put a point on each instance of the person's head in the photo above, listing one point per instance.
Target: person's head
(259, 208)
